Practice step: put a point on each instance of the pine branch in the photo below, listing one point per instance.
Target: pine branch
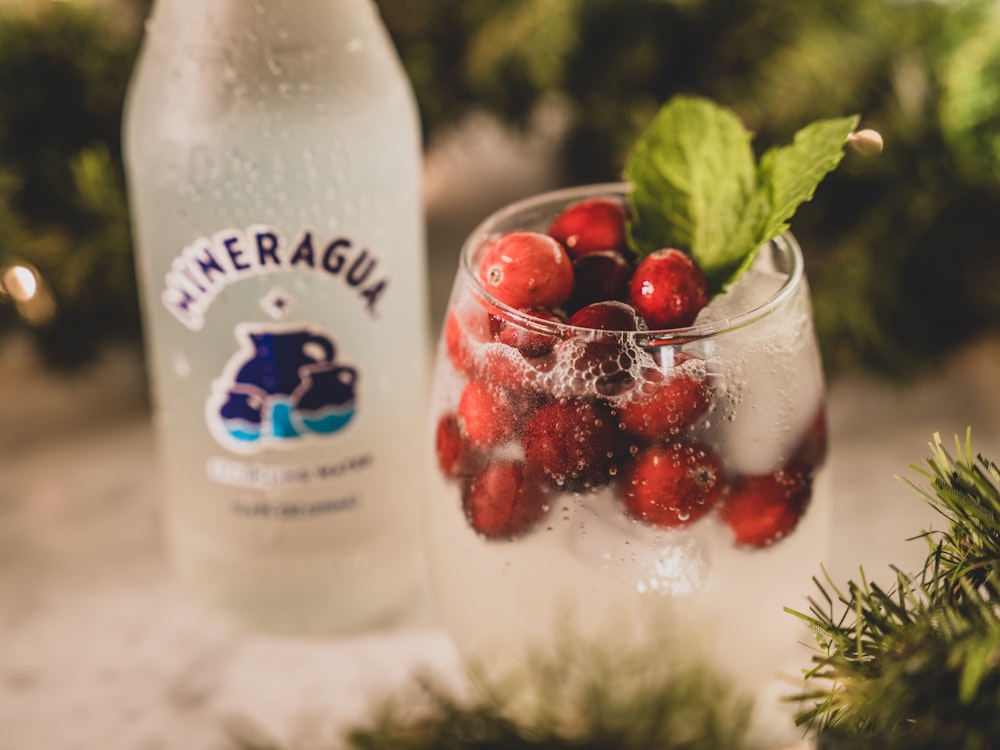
(918, 664)
(590, 699)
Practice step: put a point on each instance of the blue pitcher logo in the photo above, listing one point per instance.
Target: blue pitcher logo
(281, 385)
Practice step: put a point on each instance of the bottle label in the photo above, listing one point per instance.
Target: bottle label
(284, 384)
(209, 264)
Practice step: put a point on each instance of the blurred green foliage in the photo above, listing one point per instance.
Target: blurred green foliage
(902, 249)
(63, 72)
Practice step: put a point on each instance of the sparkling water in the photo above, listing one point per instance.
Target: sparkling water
(590, 572)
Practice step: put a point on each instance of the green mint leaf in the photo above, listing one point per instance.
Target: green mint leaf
(695, 184)
(693, 174)
(790, 174)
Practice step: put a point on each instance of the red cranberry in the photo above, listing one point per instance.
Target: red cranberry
(608, 316)
(672, 486)
(504, 500)
(486, 414)
(531, 342)
(504, 369)
(590, 225)
(811, 451)
(464, 331)
(668, 289)
(526, 270)
(572, 441)
(456, 456)
(666, 404)
(764, 508)
(603, 357)
(599, 276)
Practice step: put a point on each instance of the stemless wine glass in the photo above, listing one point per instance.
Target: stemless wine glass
(644, 489)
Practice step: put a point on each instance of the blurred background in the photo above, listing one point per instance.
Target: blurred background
(517, 96)
(903, 250)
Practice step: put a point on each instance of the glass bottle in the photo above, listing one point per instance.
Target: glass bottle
(273, 161)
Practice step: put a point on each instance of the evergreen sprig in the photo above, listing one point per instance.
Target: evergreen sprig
(581, 697)
(917, 665)
(584, 697)
(966, 493)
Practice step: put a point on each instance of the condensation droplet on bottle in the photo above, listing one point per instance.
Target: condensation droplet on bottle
(182, 367)
(274, 66)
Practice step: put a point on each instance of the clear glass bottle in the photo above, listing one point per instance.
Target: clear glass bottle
(273, 160)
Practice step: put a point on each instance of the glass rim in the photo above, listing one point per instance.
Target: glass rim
(786, 242)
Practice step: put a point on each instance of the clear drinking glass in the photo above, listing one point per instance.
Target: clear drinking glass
(558, 449)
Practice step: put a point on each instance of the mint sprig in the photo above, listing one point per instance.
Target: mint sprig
(696, 184)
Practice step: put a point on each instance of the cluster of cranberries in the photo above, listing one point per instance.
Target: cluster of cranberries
(517, 436)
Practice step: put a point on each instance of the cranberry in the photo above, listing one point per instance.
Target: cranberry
(599, 276)
(673, 486)
(455, 454)
(455, 345)
(602, 356)
(668, 289)
(531, 342)
(526, 270)
(486, 414)
(504, 500)
(811, 451)
(666, 403)
(591, 225)
(764, 508)
(572, 441)
(608, 316)
(464, 331)
(503, 368)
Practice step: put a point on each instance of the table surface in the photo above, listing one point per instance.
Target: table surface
(99, 649)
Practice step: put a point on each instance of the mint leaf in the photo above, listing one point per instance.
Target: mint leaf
(790, 174)
(692, 174)
(696, 186)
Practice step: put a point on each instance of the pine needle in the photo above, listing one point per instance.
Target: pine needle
(917, 665)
